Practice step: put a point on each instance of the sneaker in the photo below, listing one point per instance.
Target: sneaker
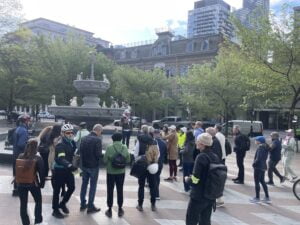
(57, 214)
(282, 180)
(266, 200)
(120, 212)
(38, 220)
(153, 208)
(157, 198)
(169, 179)
(93, 210)
(139, 208)
(108, 213)
(64, 208)
(83, 207)
(234, 179)
(270, 183)
(220, 204)
(254, 200)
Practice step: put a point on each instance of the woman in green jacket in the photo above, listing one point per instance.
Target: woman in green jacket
(115, 176)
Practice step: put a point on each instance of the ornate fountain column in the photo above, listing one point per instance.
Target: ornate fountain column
(90, 87)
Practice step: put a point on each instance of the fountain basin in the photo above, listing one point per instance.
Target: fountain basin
(90, 115)
(91, 87)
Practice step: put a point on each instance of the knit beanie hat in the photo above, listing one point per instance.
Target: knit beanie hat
(205, 139)
(260, 139)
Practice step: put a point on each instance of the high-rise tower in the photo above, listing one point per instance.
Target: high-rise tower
(209, 17)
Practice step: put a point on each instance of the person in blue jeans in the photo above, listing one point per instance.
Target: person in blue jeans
(187, 158)
(90, 154)
(260, 167)
(162, 145)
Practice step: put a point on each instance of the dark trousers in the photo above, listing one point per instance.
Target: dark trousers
(45, 160)
(259, 177)
(157, 176)
(187, 171)
(60, 178)
(23, 195)
(126, 137)
(152, 185)
(240, 163)
(173, 168)
(272, 168)
(199, 212)
(111, 181)
(89, 175)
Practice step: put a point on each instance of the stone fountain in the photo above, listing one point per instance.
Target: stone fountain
(90, 111)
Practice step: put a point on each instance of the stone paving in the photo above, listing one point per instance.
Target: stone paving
(284, 210)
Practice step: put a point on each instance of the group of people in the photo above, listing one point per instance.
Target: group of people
(195, 148)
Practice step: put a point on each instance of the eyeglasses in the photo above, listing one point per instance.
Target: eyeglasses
(69, 132)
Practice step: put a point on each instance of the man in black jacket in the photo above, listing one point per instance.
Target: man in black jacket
(200, 208)
(90, 154)
(242, 144)
(62, 172)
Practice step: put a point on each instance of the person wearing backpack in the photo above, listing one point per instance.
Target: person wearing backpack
(116, 157)
(202, 201)
(144, 140)
(90, 154)
(31, 182)
(242, 144)
(20, 138)
(260, 166)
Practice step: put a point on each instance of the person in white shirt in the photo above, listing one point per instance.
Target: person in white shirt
(221, 139)
(81, 134)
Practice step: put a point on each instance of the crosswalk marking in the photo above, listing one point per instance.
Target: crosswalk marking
(276, 219)
(293, 208)
(226, 219)
(48, 219)
(101, 218)
(170, 222)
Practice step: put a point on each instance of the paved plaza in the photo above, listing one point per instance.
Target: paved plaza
(284, 210)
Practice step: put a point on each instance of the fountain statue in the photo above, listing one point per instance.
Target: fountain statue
(53, 101)
(90, 111)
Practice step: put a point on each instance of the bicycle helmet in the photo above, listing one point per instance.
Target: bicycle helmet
(153, 168)
(67, 127)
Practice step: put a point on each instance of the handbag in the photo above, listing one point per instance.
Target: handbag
(139, 167)
(118, 160)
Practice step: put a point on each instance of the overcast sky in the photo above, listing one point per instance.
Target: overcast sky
(120, 21)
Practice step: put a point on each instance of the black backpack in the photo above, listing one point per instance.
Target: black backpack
(118, 161)
(216, 178)
(10, 137)
(246, 143)
(228, 148)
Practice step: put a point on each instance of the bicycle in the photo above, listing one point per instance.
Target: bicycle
(296, 189)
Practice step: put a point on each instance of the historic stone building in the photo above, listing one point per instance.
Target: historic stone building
(174, 56)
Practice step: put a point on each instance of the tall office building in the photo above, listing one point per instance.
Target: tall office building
(209, 17)
(252, 11)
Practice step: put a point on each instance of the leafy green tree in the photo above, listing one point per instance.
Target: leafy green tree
(142, 89)
(16, 66)
(275, 46)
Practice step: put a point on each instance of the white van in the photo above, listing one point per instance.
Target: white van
(245, 125)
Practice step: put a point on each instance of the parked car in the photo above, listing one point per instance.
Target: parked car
(136, 122)
(45, 115)
(3, 113)
(246, 127)
(171, 120)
